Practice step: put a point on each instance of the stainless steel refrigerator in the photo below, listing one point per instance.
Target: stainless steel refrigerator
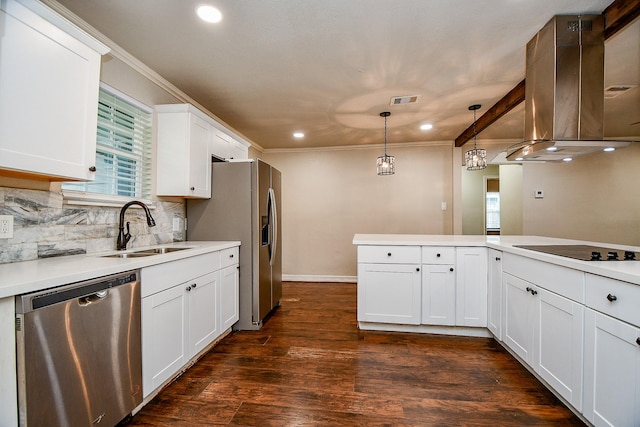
(245, 206)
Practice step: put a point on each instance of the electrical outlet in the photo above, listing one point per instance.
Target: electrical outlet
(6, 226)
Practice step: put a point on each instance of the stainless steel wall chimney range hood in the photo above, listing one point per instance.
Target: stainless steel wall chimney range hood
(564, 92)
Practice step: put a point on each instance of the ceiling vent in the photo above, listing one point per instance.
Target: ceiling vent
(407, 99)
(616, 90)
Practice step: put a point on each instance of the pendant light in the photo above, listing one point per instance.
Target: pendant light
(384, 163)
(475, 159)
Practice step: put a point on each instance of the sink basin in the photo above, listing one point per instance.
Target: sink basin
(144, 252)
(156, 251)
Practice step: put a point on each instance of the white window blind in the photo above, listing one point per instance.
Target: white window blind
(123, 149)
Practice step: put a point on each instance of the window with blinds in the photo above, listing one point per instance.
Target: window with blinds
(123, 148)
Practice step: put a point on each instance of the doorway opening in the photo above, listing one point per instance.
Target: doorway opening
(492, 206)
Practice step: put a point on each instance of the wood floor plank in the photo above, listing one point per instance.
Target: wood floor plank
(310, 365)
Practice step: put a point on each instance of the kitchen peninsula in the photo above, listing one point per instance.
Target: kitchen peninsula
(574, 324)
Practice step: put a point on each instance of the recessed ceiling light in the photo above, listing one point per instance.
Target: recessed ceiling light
(426, 126)
(609, 149)
(298, 135)
(567, 159)
(519, 159)
(552, 149)
(209, 14)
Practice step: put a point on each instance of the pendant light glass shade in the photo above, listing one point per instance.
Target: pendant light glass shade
(476, 158)
(385, 164)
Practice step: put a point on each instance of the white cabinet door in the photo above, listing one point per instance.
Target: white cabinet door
(519, 312)
(229, 297)
(183, 146)
(494, 297)
(49, 87)
(238, 151)
(164, 340)
(559, 345)
(203, 326)
(471, 287)
(438, 295)
(389, 293)
(612, 371)
(220, 144)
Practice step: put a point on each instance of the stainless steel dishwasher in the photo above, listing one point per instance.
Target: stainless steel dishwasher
(79, 353)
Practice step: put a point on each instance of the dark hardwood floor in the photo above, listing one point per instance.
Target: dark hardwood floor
(311, 366)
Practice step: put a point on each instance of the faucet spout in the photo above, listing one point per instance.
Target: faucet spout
(123, 238)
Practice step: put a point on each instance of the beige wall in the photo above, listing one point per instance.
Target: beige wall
(511, 199)
(594, 198)
(328, 196)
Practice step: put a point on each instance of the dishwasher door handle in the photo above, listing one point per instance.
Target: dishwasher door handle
(89, 299)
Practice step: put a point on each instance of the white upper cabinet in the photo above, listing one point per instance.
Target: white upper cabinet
(50, 73)
(184, 157)
(223, 146)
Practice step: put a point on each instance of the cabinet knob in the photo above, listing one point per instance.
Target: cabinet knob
(193, 188)
(438, 255)
(194, 285)
(417, 269)
(638, 340)
(92, 169)
(612, 298)
(388, 253)
(497, 258)
(231, 256)
(451, 269)
(188, 288)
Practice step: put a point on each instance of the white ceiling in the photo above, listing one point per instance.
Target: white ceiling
(328, 68)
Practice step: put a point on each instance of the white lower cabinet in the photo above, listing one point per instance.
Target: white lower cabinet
(611, 371)
(164, 340)
(546, 331)
(438, 295)
(181, 320)
(389, 293)
(229, 297)
(519, 316)
(471, 287)
(559, 345)
(494, 293)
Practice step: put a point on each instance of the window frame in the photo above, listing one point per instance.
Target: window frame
(89, 198)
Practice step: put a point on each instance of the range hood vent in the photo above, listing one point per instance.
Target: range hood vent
(564, 92)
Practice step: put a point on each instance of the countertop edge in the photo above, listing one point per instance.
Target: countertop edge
(627, 271)
(30, 276)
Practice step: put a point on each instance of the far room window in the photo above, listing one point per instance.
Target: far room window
(123, 148)
(493, 211)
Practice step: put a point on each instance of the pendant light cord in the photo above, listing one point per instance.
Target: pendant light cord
(385, 136)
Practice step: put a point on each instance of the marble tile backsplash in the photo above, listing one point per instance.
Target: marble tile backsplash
(45, 227)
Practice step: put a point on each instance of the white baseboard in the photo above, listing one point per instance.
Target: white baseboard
(313, 278)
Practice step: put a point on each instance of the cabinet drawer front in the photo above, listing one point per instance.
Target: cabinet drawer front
(159, 277)
(229, 257)
(561, 280)
(389, 254)
(613, 297)
(438, 255)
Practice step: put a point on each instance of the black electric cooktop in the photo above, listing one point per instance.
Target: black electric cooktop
(585, 252)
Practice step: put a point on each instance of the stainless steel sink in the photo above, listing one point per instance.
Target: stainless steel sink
(144, 252)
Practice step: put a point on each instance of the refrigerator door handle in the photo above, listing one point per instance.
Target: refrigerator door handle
(273, 241)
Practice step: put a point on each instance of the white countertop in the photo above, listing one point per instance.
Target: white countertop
(28, 276)
(628, 271)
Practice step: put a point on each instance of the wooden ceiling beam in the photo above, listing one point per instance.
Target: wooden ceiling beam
(617, 15)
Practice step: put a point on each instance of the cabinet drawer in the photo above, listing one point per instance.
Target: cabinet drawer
(438, 255)
(625, 296)
(229, 257)
(389, 254)
(159, 277)
(562, 280)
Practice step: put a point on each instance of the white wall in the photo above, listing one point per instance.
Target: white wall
(328, 196)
